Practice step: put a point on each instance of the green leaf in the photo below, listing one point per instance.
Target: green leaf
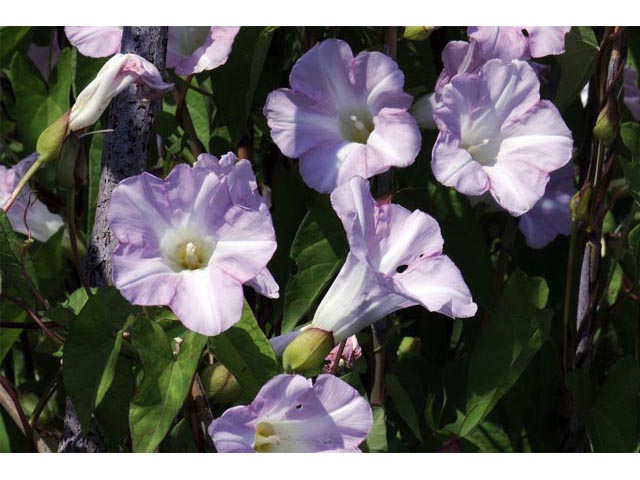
(91, 351)
(10, 40)
(246, 353)
(490, 437)
(517, 329)
(200, 116)
(234, 83)
(612, 423)
(38, 106)
(630, 134)
(632, 176)
(318, 251)
(377, 439)
(166, 382)
(180, 439)
(12, 260)
(577, 64)
(112, 415)
(403, 404)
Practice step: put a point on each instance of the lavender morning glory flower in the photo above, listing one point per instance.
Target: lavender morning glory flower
(632, 92)
(191, 241)
(395, 261)
(519, 43)
(290, 414)
(190, 50)
(40, 222)
(550, 217)
(343, 116)
(497, 136)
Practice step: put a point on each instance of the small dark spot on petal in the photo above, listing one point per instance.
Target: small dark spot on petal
(401, 268)
(299, 406)
(525, 33)
(421, 255)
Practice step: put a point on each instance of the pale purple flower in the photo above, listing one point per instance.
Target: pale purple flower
(95, 41)
(348, 357)
(395, 261)
(40, 222)
(191, 241)
(497, 136)
(551, 216)
(292, 414)
(632, 92)
(518, 43)
(343, 116)
(192, 50)
(120, 72)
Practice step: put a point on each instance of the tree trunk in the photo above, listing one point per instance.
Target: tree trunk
(124, 154)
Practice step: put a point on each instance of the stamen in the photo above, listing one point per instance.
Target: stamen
(357, 123)
(191, 257)
(265, 438)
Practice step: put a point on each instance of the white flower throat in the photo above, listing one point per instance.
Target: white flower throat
(186, 249)
(356, 127)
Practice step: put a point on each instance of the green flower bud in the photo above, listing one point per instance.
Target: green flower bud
(579, 204)
(219, 384)
(308, 351)
(50, 141)
(606, 128)
(418, 33)
(69, 153)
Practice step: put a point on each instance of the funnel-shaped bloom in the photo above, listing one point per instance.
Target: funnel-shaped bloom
(95, 42)
(192, 50)
(121, 71)
(550, 217)
(40, 222)
(632, 92)
(395, 262)
(496, 135)
(519, 43)
(290, 414)
(343, 116)
(191, 241)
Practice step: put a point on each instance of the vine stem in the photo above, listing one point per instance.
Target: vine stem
(567, 297)
(42, 325)
(334, 367)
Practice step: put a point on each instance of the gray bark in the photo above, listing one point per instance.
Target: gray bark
(124, 154)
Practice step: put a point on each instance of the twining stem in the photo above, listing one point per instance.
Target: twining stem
(44, 400)
(182, 113)
(336, 363)
(568, 289)
(73, 236)
(21, 184)
(53, 335)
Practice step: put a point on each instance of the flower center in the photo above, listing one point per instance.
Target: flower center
(266, 438)
(191, 38)
(356, 127)
(186, 250)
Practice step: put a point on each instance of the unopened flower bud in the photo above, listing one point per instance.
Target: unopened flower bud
(65, 173)
(308, 351)
(418, 33)
(50, 141)
(606, 128)
(219, 384)
(579, 204)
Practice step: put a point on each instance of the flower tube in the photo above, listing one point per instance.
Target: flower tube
(395, 261)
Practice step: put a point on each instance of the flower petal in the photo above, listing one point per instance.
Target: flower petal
(297, 123)
(505, 43)
(95, 41)
(545, 41)
(436, 283)
(394, 142)
(455, 167)
(265, 284)
(213, 53)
